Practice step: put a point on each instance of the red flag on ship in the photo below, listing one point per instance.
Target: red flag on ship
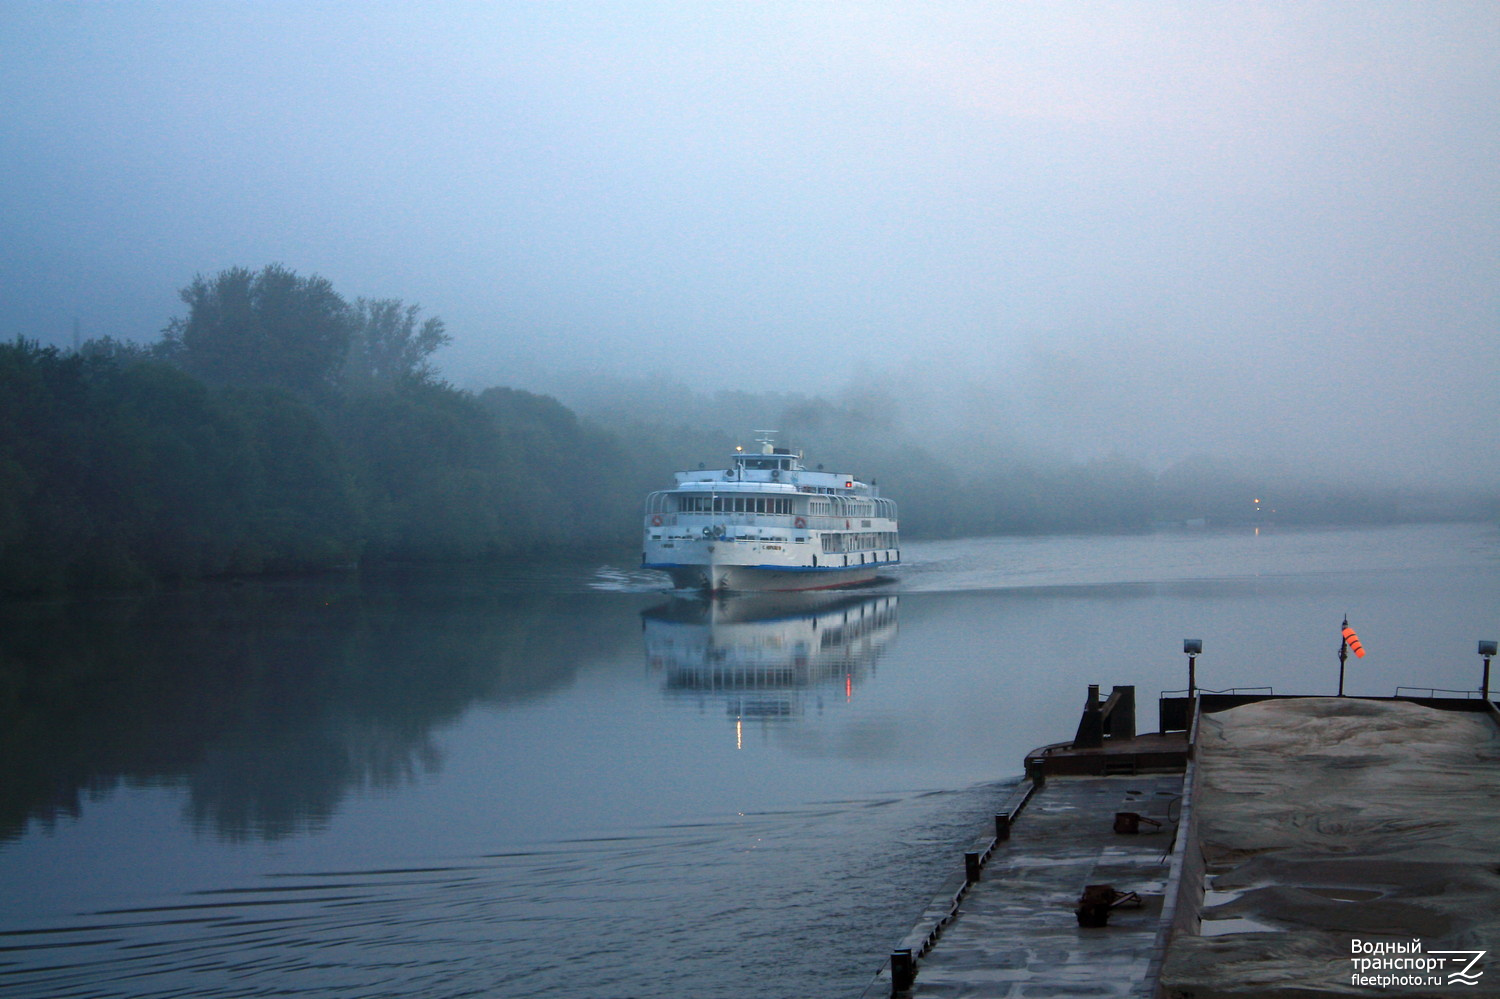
(1352, 640)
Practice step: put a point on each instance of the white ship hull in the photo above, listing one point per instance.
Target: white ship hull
(741, 578)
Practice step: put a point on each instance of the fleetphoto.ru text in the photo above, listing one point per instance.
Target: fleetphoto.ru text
(1397, 963)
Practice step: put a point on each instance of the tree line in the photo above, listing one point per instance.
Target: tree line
(277, 426)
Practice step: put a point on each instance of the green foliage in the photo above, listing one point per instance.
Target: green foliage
(575, 480)
(275, 428)
(430, 472)
(386, 346)
(119, 474)
(262, 328)
(304, 510)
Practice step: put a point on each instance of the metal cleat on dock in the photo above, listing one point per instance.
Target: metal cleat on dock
(1129, 823)
(1098, 901)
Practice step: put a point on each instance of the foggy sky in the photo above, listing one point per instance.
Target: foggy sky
(1262, 230)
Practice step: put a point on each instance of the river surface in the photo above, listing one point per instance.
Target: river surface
(565, 781)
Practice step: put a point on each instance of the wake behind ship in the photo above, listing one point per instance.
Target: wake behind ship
(767, 522)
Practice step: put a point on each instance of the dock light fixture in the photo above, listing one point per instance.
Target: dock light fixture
(1193, 648)
(1486, 649)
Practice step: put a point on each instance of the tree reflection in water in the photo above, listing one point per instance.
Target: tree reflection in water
(268, 702)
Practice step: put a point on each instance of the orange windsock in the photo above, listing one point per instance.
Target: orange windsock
(1353, 642)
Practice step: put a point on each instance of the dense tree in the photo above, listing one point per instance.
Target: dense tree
(262, 328)
(573, 484)
(305, 510)
(120, 473)
(431, 471)
(386, 344)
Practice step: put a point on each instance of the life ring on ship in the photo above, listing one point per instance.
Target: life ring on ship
(656, 520)
(800, 522)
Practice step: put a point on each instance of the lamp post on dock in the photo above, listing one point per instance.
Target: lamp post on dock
(1486, 649)
(1193, 647)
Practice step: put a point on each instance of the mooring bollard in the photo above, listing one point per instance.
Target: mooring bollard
(1002, 827)
(971, 867)
(903, 970)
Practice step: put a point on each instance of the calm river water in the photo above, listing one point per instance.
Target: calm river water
(566, 782)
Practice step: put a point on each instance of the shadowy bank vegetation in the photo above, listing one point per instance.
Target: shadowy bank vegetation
(279, 427)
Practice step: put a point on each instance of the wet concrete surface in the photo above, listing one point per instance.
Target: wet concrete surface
(1017, 934)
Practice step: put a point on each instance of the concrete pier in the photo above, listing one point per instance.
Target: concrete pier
(1017, 933)
(1306, 835)
(1014, 930)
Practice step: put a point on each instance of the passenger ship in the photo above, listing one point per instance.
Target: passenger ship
(767, 522)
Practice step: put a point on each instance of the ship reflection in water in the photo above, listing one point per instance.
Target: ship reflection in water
(768, 656)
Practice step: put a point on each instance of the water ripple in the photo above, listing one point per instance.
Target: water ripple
(692, 909)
